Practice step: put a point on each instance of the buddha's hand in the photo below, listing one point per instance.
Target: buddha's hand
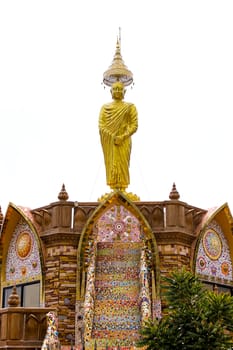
(118, 140)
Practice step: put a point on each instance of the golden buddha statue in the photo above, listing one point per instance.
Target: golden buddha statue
(117, 122)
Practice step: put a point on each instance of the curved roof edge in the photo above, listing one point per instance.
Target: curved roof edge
(25, 212)
(212, 212)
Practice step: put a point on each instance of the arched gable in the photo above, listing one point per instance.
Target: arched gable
(214, 249)
(116, 198)
(118, 273)
(21, 253)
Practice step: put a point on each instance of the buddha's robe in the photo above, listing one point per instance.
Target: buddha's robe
(118, 118)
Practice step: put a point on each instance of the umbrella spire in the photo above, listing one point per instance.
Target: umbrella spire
(118, 71)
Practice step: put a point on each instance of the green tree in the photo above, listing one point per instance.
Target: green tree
(194, 318)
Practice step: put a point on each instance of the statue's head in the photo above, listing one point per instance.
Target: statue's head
(118, 90)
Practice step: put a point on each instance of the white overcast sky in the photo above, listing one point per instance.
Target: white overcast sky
(52, 57)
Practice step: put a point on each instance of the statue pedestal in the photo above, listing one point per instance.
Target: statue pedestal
(131, 196)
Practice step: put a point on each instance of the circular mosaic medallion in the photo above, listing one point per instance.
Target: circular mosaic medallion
(119, 226)
(201, 262)
(225, 268)
(212, 244)
(23, 245)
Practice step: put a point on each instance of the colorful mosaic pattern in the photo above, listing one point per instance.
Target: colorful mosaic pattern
(145, 302)
(119, 224)
(213, 258)
(117, 314)
(51, 340)
(23, 259)
(212, 244)
(117, 293)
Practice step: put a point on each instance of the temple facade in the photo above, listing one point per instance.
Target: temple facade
(99, 266)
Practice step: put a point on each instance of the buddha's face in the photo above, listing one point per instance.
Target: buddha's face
(118, 91)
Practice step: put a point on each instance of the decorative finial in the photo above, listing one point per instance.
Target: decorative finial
(174, 194)
(118, 71)
(119, 37)
(63, 195)
(13, 300)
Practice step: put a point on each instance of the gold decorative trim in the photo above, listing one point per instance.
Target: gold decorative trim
(212, 244)
(24, 245)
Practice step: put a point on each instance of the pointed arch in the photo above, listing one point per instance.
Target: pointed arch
(213, 261)
(116, 197)
(117, 258)
(21, 252)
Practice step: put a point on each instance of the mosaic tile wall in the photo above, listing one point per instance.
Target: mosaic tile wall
(118, 298)
(23, 260)
(213, 258)
(119, 224)
(144, 297)
(117, 315)
(89, 303)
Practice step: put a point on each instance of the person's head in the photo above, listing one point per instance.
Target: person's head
(118, 90)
